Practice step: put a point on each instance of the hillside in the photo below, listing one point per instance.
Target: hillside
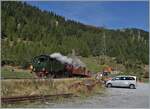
(27, 32)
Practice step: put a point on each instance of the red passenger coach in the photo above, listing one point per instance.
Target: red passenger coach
(78, 71)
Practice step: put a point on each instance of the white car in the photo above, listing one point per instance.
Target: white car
(122, 81)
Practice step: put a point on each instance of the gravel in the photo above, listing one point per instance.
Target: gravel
(113, 98)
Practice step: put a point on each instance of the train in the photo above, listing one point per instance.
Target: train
(44, 66)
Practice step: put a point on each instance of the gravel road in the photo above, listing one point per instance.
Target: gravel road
(113, 98)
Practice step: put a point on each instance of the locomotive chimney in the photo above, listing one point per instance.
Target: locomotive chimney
(73, 52)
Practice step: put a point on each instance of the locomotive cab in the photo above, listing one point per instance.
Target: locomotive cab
(40, 65)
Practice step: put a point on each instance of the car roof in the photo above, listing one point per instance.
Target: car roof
(126, 76)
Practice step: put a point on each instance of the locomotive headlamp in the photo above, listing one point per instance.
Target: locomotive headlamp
(43, 69)
(34, 69)
(31, 67)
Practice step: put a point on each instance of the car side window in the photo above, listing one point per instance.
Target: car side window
(122, 78)
(131, 78)
(117, 78)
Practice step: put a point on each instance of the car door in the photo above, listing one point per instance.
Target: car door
(123, 81)
(116, 81)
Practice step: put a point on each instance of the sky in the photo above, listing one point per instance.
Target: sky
(110, 14)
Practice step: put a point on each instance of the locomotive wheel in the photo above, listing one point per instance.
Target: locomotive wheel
(70, 75)
(50, 75)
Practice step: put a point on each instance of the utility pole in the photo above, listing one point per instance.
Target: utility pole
(104, 46)
(139, 35)
(101, 57)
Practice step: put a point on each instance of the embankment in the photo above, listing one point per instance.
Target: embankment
(27, 87)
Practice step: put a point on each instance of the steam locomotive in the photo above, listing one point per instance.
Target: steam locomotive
(45, 66)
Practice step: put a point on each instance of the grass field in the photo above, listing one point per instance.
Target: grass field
(10, 73)
(92, 64)
(95, 64)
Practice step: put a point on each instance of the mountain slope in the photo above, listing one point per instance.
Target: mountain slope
(27, 31)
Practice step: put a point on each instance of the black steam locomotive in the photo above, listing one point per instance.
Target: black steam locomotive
(45, 66)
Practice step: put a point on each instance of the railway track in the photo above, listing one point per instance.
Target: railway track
(55, 79)
(33, 97)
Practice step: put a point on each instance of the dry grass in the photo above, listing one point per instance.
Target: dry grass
(32, 87)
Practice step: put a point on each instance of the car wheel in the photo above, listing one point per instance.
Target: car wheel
(132, 86)
(109, 85)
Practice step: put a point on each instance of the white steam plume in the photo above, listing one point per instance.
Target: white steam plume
(64, 59)
(61, 58)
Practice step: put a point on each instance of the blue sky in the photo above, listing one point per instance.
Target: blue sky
(114, 15)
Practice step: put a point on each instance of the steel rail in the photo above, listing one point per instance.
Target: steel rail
(32, 97)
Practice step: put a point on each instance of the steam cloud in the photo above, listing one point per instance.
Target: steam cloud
(64, 59)
(61, 58)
